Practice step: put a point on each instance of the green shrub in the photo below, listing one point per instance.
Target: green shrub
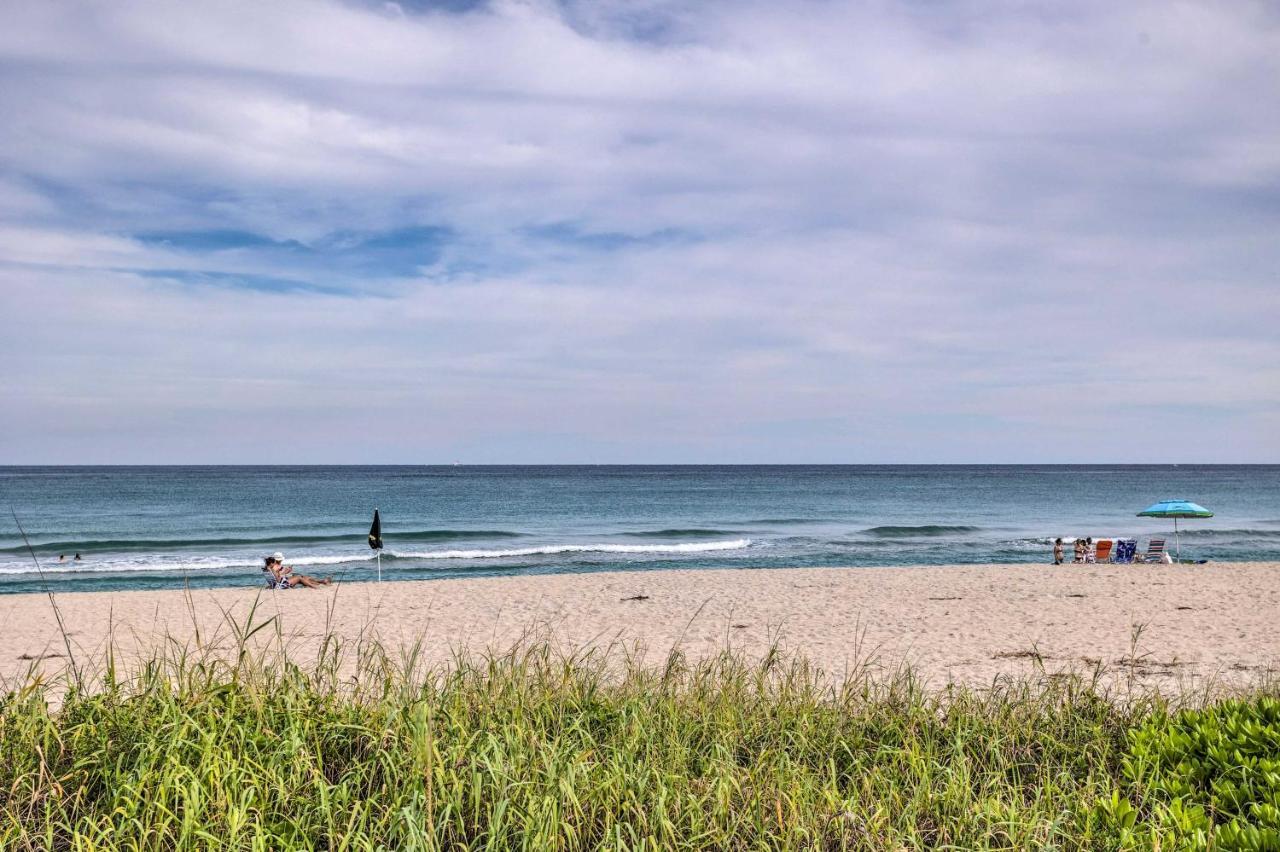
(1207, 778)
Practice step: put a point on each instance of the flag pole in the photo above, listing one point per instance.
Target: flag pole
(375, 540)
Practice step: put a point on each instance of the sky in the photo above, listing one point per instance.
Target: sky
(639, 232)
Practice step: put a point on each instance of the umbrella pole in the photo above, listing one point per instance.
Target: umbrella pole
(1177, 542)
(379, 566)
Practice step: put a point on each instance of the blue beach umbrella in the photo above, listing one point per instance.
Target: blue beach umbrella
(1176, 509)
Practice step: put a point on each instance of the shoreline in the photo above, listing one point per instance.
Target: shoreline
(1170, 627)
(60, 586)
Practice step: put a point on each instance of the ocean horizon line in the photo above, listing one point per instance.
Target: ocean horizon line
(422, 465)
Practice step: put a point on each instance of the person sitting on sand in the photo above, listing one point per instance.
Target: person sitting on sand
(1057, 552)
(281, 576)
(1079, 550)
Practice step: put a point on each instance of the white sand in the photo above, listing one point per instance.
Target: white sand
(1204, 625)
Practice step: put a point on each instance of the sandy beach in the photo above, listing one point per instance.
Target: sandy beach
(1195, 626)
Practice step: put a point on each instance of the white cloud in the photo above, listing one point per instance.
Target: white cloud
(761, 231)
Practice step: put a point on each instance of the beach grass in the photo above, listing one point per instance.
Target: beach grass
(365, 749)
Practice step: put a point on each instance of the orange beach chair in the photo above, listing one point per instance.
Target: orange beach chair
(1103, 553)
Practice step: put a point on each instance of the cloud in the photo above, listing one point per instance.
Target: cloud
(536, 231)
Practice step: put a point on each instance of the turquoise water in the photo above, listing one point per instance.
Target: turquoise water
(151, 527)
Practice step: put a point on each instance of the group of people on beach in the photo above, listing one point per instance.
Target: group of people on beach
(1083, 547)
(281, 576)
(1110, 550)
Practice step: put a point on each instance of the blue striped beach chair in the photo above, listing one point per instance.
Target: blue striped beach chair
(1155, 551)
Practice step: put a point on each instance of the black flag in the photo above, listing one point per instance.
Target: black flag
(375, 532)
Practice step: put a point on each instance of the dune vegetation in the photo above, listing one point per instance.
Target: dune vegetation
(365, 750)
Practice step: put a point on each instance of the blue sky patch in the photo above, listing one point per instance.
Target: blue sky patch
(214, 240)
(569, 233)
(393, 253)
(239, 281)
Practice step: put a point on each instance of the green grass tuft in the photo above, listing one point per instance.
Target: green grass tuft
(535, 751)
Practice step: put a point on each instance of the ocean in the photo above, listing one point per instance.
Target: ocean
(163, 527)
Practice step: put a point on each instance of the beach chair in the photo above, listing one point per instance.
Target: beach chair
(1126, 550)
(1155, 551)
(1102, 551)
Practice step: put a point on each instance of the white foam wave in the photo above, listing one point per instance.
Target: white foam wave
(191, 564)
(554, 549)
(121, 567)
(325, 560)
(1066, 539)
(195, 564)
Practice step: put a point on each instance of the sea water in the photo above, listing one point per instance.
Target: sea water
(164, 527)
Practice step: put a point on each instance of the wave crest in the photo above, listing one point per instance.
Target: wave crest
(893, 531)
(249, 564)
(555, 549)
(693, 532)
(1213, 533)
(125, 545)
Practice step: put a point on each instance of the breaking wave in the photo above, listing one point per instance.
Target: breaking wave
(195, 564)
(190, 564)
(131, 544)
(1212, 533)
(554, 549)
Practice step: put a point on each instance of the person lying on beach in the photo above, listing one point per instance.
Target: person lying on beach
(286, 578)
(281, 576)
